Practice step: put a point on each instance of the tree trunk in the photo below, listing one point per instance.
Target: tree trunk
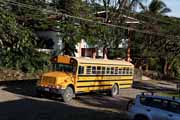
(165, 67)
(171, 64)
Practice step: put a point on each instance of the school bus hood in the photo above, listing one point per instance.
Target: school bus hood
(55, 78)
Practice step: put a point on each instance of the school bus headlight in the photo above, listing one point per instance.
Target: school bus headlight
(58, 86)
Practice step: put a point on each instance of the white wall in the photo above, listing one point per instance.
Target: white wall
(82, 44)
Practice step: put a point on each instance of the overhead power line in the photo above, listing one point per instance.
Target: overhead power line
(145, 16)
(87, 20)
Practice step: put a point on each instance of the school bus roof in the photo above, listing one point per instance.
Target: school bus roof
(82, 60)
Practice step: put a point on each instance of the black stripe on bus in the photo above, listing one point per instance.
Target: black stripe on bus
(102, 75)
(103, 80)
(93, 86)
(125, 84)
(100, 85)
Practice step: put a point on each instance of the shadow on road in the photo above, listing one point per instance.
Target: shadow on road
(30, 109)
(22, 87)
(150, 87)
(103, 102)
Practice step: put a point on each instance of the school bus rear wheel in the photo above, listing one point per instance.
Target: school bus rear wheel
(68, 95)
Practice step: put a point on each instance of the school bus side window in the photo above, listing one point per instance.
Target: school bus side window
(93, 69)
(112, 70)
(120, 71)
(108, 71)
(81, 70)
(103, 70)
(116, 70)
(124, 71)
(127, 71)
(98, 70)
(88, 70)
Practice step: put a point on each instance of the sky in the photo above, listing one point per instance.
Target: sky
(174, 5)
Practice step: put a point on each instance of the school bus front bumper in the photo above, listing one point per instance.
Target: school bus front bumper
(56, 91)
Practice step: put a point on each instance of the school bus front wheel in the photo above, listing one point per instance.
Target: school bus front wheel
(68, 94)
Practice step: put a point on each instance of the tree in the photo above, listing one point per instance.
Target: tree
(17, 44)
(70, 35)
(156, 7)
(71, 7)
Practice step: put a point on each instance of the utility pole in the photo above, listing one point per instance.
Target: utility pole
(129, 46)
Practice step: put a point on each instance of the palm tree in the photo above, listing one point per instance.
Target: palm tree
(133, 4)
(129, 4)
(156, 7)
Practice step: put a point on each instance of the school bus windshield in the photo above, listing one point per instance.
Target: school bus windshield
(62, 67)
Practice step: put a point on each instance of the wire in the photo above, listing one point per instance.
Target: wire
(145, 16)
(88, 20)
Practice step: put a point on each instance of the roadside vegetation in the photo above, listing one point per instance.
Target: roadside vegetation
(155, 42)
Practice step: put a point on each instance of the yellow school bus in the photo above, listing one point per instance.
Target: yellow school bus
(71, 75)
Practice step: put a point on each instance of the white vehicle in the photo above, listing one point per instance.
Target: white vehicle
(151, 107)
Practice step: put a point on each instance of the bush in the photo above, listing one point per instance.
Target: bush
(28, 61)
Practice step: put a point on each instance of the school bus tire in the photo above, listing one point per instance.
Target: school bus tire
(68, 94)
(114, 90)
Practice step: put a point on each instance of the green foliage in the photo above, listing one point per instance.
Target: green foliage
(67, 6)
(176, 68)
(17, 44)
(116, 53)
(70, 35)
